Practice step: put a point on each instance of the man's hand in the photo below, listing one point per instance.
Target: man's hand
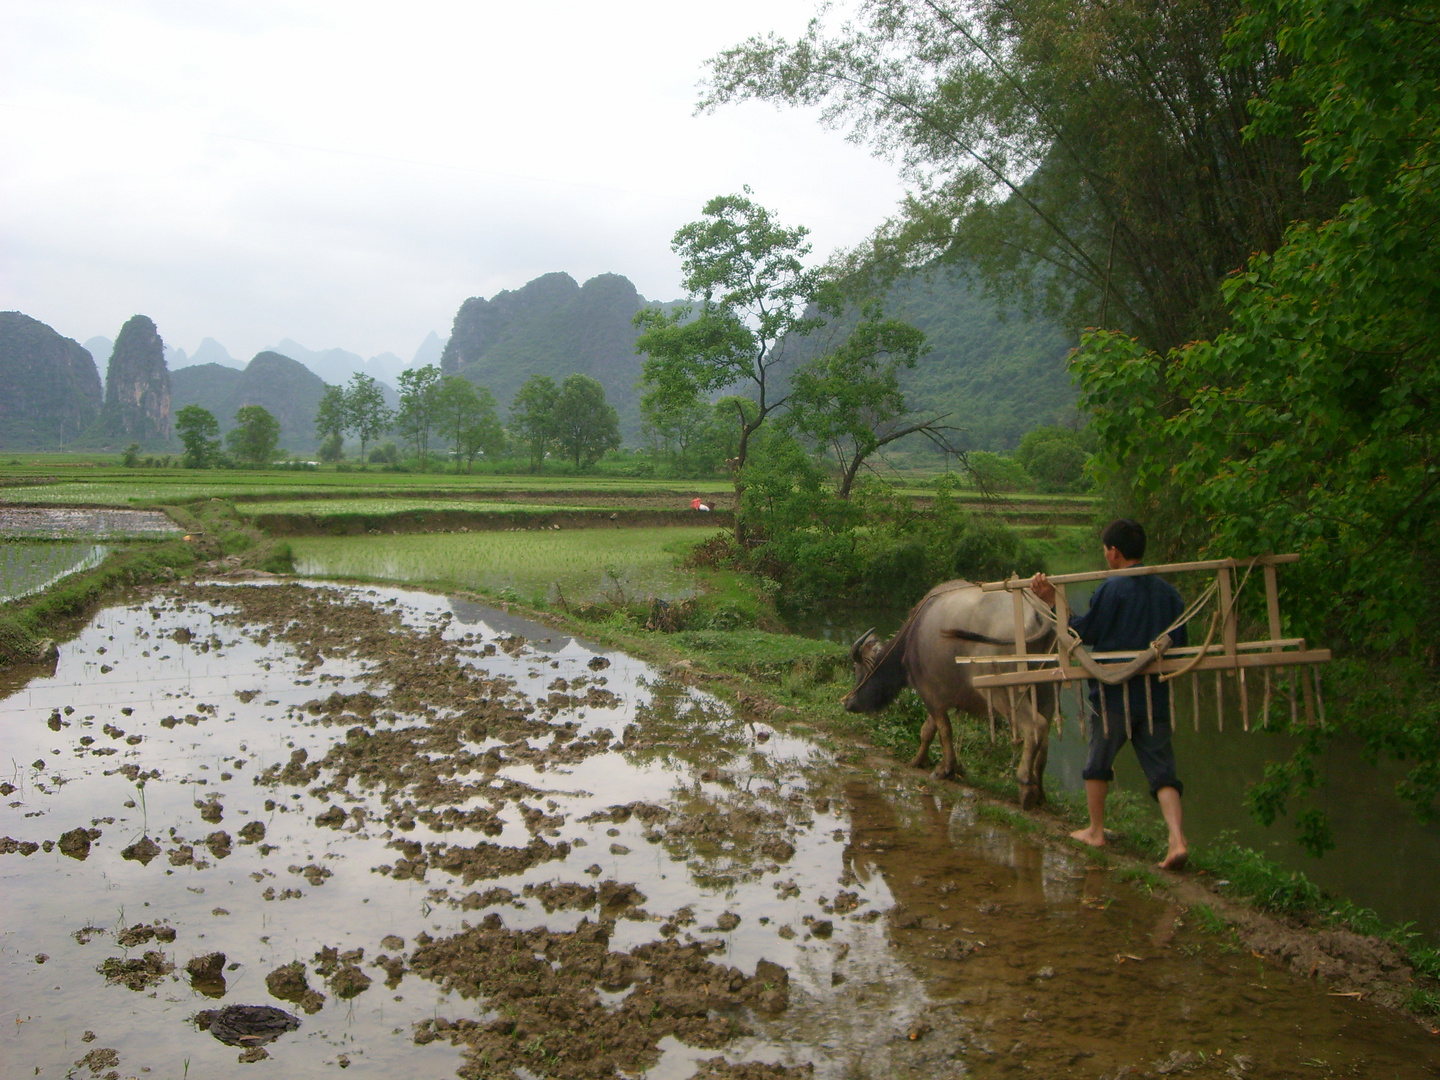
(1041, 587)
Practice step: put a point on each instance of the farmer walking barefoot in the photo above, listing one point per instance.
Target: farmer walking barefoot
(1128, 613)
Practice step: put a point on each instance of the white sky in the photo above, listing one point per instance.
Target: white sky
(346, 173)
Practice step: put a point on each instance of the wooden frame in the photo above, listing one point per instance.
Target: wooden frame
(1229, 654)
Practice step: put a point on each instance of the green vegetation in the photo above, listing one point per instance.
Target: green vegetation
(576, 565)
(339, 507)
(255, 435)
(29, 566)
(199, 433)
(1309, 425)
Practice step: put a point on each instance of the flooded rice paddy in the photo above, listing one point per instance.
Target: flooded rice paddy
(28, 567)
(56, 523)
(580, 565)
(420, 835)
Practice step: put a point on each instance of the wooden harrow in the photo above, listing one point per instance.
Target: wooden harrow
(1227, 656)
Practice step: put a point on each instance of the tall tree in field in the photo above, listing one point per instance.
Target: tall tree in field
(366, 413)
(419, 412)
(586, 425)
(254, 436)
(749, 288)
(199, 433)
(332, 417)
(1087, 154)
(848, 402)
(532, 417)
(465, 416)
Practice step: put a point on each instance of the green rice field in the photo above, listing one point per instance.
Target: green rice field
(580, 564)
(28, 566)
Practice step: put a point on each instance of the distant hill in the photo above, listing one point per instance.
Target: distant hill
(50, 390)
(552, 326)
(210, 351)
(995, 372)
(999, 373)
(335, 366)
(99, 349)
(289, 390)
(137, 388)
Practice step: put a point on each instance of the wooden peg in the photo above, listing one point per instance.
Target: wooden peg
(1219, 701)
(1149, 704)
(1244, 703)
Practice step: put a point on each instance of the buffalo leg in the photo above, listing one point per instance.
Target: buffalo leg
(927, 733)
(948, 767)
(1034, 734)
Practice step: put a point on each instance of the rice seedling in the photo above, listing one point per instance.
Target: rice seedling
(534, 563)
(28, 567)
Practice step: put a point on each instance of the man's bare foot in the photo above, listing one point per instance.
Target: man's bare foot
(1093, 837)
(1174, 860)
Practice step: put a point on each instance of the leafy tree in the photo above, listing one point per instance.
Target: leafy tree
(1311, 425)
(130, 457)
(366, 413)
(744, 270)
(199, 433)
(1089, 155)
(1055, 457)
(466, 416)
(532, 417)
(332, 449)
(254, 436)
(849, 402)
(332, 418)
(678, 421)
(586, 425)
(419, 408)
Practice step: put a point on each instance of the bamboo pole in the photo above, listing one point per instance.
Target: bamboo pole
(1159, 667)
(1270, 644)
(1129, 728)
(1104, 712)
(1149, 704)
(1014, 583)
(1011, 691)
(1244, 702)
(990, 709)
(1227, 607)
(1265, 707)
(1219, 701)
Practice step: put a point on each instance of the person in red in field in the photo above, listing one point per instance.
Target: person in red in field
(699, 504)
(1129, 613)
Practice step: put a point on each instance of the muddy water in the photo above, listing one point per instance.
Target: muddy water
(447, 841)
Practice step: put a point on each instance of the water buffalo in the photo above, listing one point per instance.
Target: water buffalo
(957, 619)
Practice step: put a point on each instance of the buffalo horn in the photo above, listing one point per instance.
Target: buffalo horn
(860, 643)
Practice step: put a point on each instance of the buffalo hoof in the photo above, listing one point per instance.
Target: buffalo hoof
(941, 773)
(1031, 796)
(920, 761)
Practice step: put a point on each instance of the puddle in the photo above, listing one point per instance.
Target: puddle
(450, 841)
(27, 568)
(57, 522)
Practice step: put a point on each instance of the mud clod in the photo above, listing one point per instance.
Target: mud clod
(252, 832)
(288, 983)
(246, 1025)
(136, 974)
(75, 843)
(142, 851)
(98, 1060)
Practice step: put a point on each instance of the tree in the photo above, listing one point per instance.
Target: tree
(848, 402)
(744, 270)
(532, 417)
(465, 414)
(679, 422)
(1055, 457)
(254, 436)
(586, 425)
(199, 433)
(332, 418)
(1088, 155)
(366, 413)
(419, 397)
(1311, 425)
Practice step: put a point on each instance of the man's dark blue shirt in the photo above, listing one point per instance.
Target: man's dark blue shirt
(1130, 613)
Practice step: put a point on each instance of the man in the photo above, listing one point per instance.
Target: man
(1128, 613)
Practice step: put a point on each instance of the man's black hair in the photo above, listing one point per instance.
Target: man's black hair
(1125, 535)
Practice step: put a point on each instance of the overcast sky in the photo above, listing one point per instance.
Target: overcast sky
(346, 173)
